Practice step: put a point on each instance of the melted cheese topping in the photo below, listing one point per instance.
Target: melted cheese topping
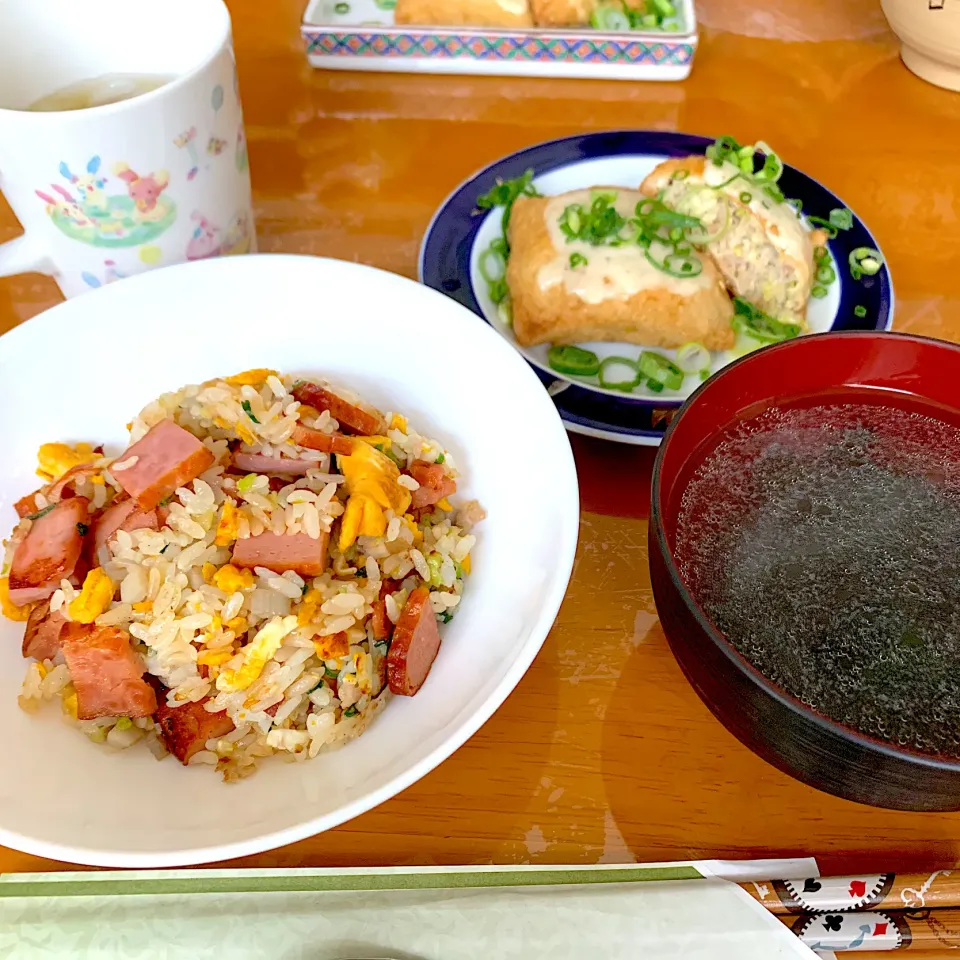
(610, 273)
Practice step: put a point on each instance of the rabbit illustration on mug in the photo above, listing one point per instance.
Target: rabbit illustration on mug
(205, 241)
(90, 186)
(65, 207)
(144, 191)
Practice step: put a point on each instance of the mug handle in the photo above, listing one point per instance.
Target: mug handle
(23, 255)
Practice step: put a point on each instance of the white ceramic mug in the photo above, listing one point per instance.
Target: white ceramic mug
(109, 191)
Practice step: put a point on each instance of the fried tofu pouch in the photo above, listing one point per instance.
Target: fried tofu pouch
(617, 295)
(762, 249)
(464, 13)
(571, 13)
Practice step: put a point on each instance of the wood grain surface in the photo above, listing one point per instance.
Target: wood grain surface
(603, 753)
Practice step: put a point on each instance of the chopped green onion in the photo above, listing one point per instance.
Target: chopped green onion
(828, 228)
(440, 459)
(332, 674)
(655, 385)
(498, 290)
(504, 194)
(351, 711)
(826, 274)
(492, 265)
(842, 219)
(248, 410)
(577, 260)
(671, 26)
(245, 484)
(681, 175)
(663, 7)
(704, 374)
(865, 261)
(818, 292)
(609, 17)
(123, 723)
(746, 197)
(660, 369)
(721, 149)
(756, 324)
(341, 8)
(82, 529)
(613, 370)
(693, 357)
(434, 562)
(860, 311)
(821, 254)
(444, 616)
(39, 513)
(573, 361)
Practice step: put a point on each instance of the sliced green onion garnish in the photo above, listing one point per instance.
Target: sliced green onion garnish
(655, 385)
(503, 194)
(746, 197)
(39, 513)
(498, 290)
(818, 292)
(860, 311)
(619, 373)
(577, 260)
(663, 7)
(248, 410)
(341, 8)
(693, 357)
(756, 324)
(671, 26)
(826, 274)
(681, 175)
(573, 361)
(821, 254)
(842, 218)
(704, 374)
(492, 265)
(828, 228)
(865, 261)
(609, 17)
(660, 369)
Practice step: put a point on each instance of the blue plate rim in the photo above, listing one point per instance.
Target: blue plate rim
(551, 155)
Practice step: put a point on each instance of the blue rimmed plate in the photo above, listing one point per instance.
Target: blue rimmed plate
(459, 234)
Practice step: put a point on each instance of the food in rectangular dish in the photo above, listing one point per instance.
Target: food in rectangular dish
(267, 560)
(608, 15)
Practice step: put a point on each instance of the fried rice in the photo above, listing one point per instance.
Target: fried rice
(245, 660)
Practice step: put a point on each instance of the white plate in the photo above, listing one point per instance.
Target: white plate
(84, 368)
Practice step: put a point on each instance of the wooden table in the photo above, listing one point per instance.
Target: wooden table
(603, 753)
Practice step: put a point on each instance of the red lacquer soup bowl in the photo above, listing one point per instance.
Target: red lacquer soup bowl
(906, 372)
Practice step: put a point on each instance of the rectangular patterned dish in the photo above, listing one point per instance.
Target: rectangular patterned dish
(362, 35)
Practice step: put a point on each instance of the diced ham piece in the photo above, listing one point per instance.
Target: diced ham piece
(64, 487)
(42, 637)
(28, 504)
(257, 463)
(186, 729)
(415, 643)
(352, 418)
(125, 515)
(289, 551)
(434, 485)
(324, 442)
(49, 552)
(167, 457)
(106, 673)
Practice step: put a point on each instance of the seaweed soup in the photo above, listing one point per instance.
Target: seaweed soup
(823, 540)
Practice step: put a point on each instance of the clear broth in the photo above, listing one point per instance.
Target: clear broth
(824, 542)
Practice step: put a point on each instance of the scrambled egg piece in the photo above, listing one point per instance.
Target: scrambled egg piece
(214, 658)
(55, 459)
(371, 482)
(250, 378)
(93, 599)
(332, 647)
(257, 654)
(228, 525)
(10, 610)
(310, 606)
(398, 423)
(229, 579)
(69, 703)
(238, 625)
(411, 525)
(143, 606)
